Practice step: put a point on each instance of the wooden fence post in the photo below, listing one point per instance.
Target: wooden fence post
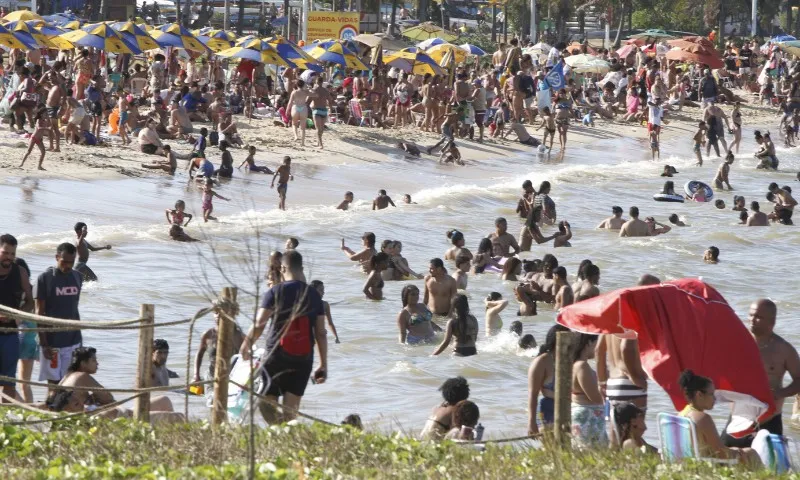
(219, 412)
(563, 392)
(144, 367)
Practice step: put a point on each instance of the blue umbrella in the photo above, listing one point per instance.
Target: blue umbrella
(472, 49)
(782, 38)
(431, 42)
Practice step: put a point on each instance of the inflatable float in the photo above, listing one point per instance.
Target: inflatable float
(665, 197)
(693, 185)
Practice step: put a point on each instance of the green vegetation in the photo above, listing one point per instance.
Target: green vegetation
(122, 449)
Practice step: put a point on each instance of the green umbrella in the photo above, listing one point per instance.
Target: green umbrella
(653, 35)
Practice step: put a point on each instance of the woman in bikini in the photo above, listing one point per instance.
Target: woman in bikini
(402, 93)
(414, 320)
(736, 119)
(588, 405)
(563, 112)
(542, 379)
(298, 101)
(454, 390)
(426, 91)
(401, 269)
(484, 257)
(457, 250)
(37, 139)
(463, 326)
(373, 287)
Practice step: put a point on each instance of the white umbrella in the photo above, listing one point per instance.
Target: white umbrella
(540, 48)
(584, 63)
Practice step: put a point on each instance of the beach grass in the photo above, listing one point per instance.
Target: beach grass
(122, 449)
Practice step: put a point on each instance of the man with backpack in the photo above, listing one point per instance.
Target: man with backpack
(57, 295)
(298, 321)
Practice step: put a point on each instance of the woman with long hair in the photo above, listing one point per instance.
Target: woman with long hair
(588, 407)
(457, 250)
(484, 257)
(542, 379)
(373, 287)
(463, 326)
(630, 427)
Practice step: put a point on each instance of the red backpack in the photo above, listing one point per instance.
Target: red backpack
(296, 338)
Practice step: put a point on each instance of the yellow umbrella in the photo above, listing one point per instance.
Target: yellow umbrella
(437, 52)
(23, 15)
(424, 31)
(12, 40)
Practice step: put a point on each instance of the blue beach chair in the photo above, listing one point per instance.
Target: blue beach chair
(678, 438)
(780, 459)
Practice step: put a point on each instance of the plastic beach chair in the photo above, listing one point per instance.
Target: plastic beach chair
(678, 438)
(780, 456)
(360, 116)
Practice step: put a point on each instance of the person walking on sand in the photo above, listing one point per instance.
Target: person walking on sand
(84, 247)
(298, 101)
(320, 98)
(382, 201)
(55, 100)
(37, 139)
(208, 197)
(283, 174)
(296, 316)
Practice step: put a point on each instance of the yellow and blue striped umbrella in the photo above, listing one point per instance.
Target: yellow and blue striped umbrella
(11, 39)
(256, 50)
(418, 63)
(216, 40)
(334, 52)
(438, 52)
(32, 35)
(176, 36)
(23, 15)
(291, 52)
(102, 37)
(72, 25)
(135, 34)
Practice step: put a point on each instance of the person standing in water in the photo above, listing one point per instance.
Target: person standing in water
(364, 257)
(382, 201)
(414, 320)
(458, 249)
(463, 326)
(722, 173)
(494, 305)
(440, 289)
(542, 379)
(779, 358)
(84, 247)
(321, 290)
(615, 221)
(588, 407)
(283, 174)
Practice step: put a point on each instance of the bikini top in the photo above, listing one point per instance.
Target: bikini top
(422, 316)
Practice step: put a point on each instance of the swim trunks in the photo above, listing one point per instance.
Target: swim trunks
(9, 355)
(52, 112)
(697, 148)
(282, 187)
(466, 351)
(28, 346)
(287, 375)
(320, 112)
(623, 390)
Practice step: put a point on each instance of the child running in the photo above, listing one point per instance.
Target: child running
(283, 174)
(37, 139)
(208, 195)
(251, 162)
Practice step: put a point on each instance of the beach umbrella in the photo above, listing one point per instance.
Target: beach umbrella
(10, 39)
(289, 50)
(540, 48)
(418, 63)
(587, 64)
(439, 51)
(696, 54)
(431, 42)
(472, 49)
(244, 39)
(683, 324)
(335, 52)
(579, 46)
(791, 47)
(690, 41)
(626, 50)
(379, 39)
(217, 40)
(176, 36)
(782, 38)
(72, 25)
(22, 15)
(653, 34)
(102, 37)
(256, 50)
(655, 50)
(448, 62)
(135, 34)
(34, 36)
(427, 30)
(47, 29)
(377, 57)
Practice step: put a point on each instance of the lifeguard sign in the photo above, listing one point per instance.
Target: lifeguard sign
(324, 25)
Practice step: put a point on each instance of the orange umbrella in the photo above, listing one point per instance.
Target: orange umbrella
(701, 56)
(692, 40)
(579, 46)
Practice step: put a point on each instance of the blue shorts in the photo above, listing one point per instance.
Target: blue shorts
(547, 408)
(9, 356)
(28, 345)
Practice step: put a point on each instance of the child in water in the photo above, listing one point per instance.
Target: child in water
(208, 196)
(451, 154)
(494, 305)
(37, 139)
(549, 124)
(251, 162)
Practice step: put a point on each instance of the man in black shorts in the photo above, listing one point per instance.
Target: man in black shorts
(298, 320)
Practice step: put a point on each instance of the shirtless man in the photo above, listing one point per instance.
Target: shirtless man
(722, 173)
(55, 99)
(499, 57)
(320, 97)
(714, 111)
(779, 358)
(525, 202)
(614, 222)
(541, 287)
(440, 288)
(283, 174)
(502, 241)
(85, 68)
(149, 142)
(564, 294)
(382, 201)
(179, 123)
(655, 228)
(634, 227)
(588, 286)
(757, 218)
(84, 247)
(786, 203)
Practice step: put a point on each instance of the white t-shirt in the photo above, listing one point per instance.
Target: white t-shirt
(655, 113)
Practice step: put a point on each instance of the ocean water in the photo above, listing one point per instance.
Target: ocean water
(390, 385)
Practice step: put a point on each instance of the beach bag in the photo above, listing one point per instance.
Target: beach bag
(296, 340)
(213, 138)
